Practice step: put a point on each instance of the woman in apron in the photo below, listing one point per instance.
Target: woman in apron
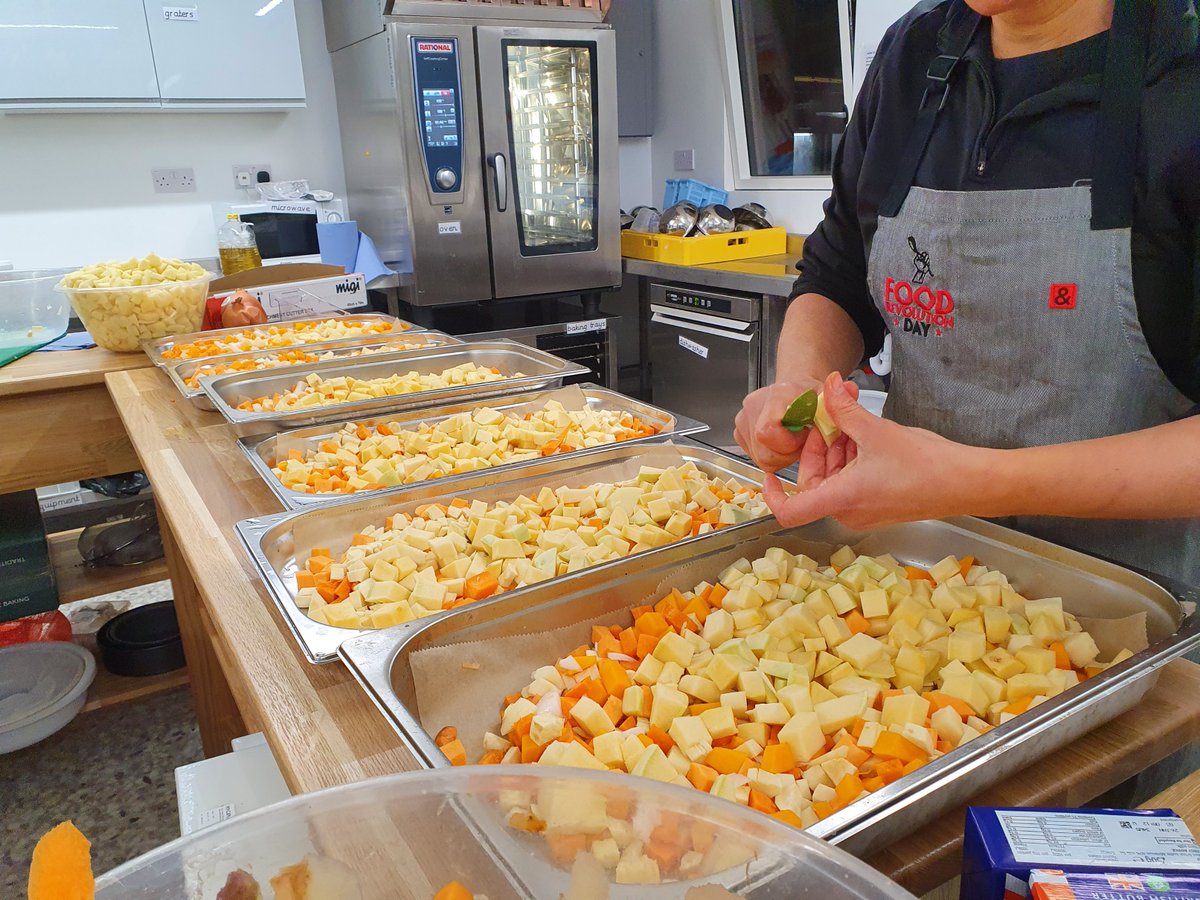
(1017, 204)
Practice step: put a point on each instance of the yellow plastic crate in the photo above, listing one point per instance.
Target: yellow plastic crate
(704, 248)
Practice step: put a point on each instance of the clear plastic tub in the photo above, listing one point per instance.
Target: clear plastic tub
(31, 313)
(408, 836)
(122, 318)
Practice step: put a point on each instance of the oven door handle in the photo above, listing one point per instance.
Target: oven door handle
(691, 315)
(500, 174)
(660, 319)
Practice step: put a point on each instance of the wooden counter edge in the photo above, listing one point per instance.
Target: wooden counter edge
(54, 370)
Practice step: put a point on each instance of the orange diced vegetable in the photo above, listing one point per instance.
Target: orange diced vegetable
(761, 802)
(890, 745)
(778, 758)
(788, 817)
(456, 753)
(726, 761)
(848, 789)
(857, 622)
(614, 678)
(660, 737)
(481, 586)
(701, 776)
(1061, 659)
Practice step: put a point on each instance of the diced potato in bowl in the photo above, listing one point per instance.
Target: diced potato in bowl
(123, 304)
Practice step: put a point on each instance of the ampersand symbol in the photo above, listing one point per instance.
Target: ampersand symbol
(1062, 296)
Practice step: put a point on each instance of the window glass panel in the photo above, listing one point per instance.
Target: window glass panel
(552, 128)
(790, 59)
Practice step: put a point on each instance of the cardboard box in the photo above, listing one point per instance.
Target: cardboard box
(1001, 846)
(1054, 884)
(26, 579)
(291, 291)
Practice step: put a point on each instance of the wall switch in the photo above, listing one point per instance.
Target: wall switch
(685, 160)
(245, 175)
(174, 181)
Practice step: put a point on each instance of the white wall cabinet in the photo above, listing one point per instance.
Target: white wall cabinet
(232, 53)
(57, 54)
(134, 54)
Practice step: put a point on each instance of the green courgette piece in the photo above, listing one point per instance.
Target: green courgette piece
(801, 413)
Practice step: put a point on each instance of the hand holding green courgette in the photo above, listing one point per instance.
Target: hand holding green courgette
(808, 410)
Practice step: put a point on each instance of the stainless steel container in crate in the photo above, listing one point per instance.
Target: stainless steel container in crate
(263, 450)
(536, 369)
(381, 661)
(271, 540)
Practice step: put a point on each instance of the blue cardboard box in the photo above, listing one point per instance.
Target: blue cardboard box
(1002, 845)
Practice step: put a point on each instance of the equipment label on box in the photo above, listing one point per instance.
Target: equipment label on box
(180, 13)
(699, 349)
(584, 327)
(1064, 839)
(215, 815)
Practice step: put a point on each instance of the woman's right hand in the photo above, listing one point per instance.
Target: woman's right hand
(758, 428)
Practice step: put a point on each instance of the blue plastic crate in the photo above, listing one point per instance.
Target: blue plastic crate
(696, 191)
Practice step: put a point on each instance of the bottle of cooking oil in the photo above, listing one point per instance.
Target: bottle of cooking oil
(236, 246)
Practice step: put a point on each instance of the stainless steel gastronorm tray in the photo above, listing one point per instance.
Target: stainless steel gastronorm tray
(271, 540)
(181, 370)
(262, 449)
(1088, 586)
(538, 370)
(156, 348)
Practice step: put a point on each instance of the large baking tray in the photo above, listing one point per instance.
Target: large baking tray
(539, 370)
(181, 370)
(381, 660)
(270, 540)
(262, 449)
(156, 348)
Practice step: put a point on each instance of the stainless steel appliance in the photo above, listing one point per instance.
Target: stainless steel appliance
(708, 350)
(480, 145)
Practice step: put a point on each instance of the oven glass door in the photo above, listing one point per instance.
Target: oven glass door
(549, 143)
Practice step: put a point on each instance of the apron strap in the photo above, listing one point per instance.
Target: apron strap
(1114, 149)
(937, 88)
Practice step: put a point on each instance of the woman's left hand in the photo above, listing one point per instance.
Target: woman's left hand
(877, 474)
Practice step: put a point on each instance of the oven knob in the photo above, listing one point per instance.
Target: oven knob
(446, 178)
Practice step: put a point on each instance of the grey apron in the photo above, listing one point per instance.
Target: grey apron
(1014, 324)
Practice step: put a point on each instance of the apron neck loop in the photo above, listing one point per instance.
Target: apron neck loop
(1114, 149)
(938, 79)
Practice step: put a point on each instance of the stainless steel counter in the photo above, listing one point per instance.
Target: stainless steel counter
(766, 275)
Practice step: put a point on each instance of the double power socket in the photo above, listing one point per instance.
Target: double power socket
(183, 180)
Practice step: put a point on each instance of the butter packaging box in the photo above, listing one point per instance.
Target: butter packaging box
(1054, 884)
(1002, 846)
(26, 579)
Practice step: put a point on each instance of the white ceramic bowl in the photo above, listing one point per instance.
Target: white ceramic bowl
(43, 685)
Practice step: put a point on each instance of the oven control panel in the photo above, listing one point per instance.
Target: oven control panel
(439, 110)
(698, 301)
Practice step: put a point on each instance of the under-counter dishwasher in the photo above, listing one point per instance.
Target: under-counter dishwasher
(708, 350)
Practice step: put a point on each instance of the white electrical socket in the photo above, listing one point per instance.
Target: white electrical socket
(245, 175)
(174, 181)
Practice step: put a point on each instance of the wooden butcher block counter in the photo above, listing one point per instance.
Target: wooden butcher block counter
(249, 675)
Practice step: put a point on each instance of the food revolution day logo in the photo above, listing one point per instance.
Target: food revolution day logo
(916, 305)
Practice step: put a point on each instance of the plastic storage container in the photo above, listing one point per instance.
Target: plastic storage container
(703, 248)
(407, 836)
(122, 318)
(696, 191)
(43, 686)
(31, 313)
